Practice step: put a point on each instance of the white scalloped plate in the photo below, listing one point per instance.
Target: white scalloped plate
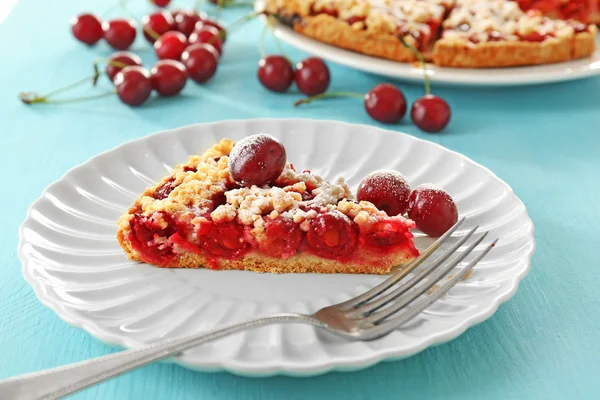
(511, 76)
(72, 259)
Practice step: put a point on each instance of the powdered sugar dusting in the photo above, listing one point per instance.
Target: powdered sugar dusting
(387, 178)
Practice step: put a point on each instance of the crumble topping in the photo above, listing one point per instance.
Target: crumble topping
(490, 20)
(202, 191)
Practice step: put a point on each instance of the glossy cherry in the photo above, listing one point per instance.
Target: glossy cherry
(430, 113)
(211, 22)
(87, 28)
(134, 85)
(119, 33)
(385, 103)
(257, 160)
(332, 235)
(170, 46)
(201, 61)
(168, 77)
(186, 20)
(160, 3)
(275, 73)
(432, 209)
(209, 35)
(388, 190)
(156, 24)
(116, 60)
(312, 76)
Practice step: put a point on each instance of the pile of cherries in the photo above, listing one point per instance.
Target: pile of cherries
(260, 159)
(188, 44)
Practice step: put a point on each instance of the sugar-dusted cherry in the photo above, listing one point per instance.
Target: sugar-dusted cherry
(312, 76)
(275, 73)
(134, 85)
(168, 77)
(388, 190)
(156, 24)
(170, 46)
(257, 160)
(430, 113)
(385, 103)
(119, 60)
(186, 20)
(209, 35)
(432, 209)
(87, 28)
(332, 235)
(119, 33)
(201, 61)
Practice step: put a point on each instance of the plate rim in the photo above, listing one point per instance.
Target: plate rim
(286, 369)
(439, 75)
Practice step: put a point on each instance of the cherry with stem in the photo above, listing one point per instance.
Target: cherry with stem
(429, 113)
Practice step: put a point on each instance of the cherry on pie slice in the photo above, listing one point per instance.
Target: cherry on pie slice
(201, 217)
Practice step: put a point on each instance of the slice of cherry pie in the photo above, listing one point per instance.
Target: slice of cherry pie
(246, 208)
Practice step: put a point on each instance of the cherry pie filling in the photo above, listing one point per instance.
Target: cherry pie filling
(330, 234)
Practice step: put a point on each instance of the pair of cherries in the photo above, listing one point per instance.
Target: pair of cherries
(260, 159)
(119, 33)
(311, 75)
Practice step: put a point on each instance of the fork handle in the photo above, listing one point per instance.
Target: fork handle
(60, 381)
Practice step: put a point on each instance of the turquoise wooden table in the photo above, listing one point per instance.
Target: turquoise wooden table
(543, 140)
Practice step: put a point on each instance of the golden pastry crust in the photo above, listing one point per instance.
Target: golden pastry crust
(328, 29)
(585, 43)
(459, 54)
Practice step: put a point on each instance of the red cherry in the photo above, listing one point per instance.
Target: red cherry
(332, 235)
(87, 28)
(256, 160)
(119, 33)
(222, 239)
(157, 24)
(209, 35)
(170, 46)
(385, 103)
(312, 76)
(387, 190)
(185, 21)
(168, 77)
(430, 113)
(214, 24)
(283, 238)
(432, 209)
(201, 61)
(275, 73)
(160, 3)
(133, 85)
(122, 57)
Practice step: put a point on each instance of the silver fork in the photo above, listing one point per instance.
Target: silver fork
(368, 316)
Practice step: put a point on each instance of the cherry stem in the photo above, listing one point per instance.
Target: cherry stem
(261, 41)
(97, 72)
(271, 24)
(78, 99)
(152, 33)
(329, 95)
(422, 61)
